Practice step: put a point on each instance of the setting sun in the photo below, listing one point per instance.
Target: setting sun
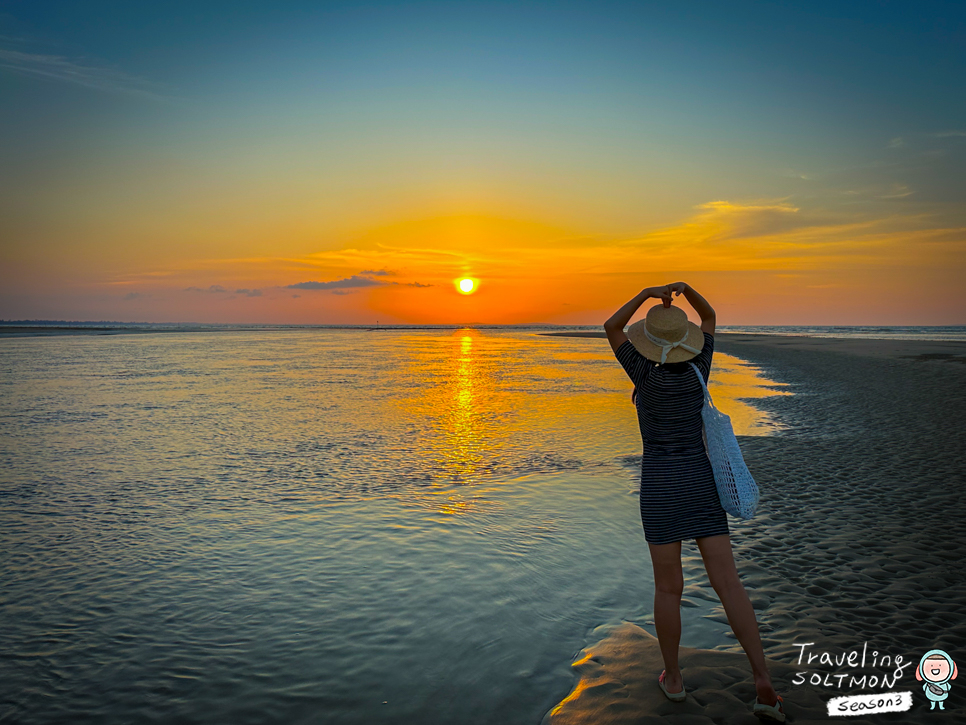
(466, 286)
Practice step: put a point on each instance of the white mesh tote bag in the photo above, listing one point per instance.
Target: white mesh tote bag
(736, 488)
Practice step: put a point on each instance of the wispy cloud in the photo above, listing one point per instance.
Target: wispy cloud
(377, 272)
(724, 220)
(353, 281)
(897, 191)
(865, 194)
(66, 70)
(949, 134)
(215, 288)
(896, 143)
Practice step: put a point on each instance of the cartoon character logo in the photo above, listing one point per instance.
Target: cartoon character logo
(937, 669)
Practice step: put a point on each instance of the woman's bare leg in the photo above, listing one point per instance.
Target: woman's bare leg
(719, 562)
(668, 585)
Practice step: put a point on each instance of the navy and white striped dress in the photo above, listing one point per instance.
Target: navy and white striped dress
(679, 499)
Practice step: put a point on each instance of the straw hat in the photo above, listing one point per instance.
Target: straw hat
(665, 335)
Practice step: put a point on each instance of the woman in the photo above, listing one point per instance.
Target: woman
(679, 499)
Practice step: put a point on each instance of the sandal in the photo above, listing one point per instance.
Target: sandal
(769, 712)
(672, 696)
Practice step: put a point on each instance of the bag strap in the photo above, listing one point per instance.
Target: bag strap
(704, 387)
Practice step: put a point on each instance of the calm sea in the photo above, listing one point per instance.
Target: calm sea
(320, 526)
(875, 332)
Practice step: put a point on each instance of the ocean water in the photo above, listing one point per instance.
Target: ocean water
(869, 332)
(321, 526)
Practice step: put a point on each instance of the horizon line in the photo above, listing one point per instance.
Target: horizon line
(426, 325)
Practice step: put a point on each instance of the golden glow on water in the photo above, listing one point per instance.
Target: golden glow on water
(582, 684)
(455, 401)
(733, 381)
(486, 399)
(464, 449)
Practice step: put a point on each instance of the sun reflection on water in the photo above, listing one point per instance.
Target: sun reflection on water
(452, 398)
(463, 451)
(479, 404)
(733, 381)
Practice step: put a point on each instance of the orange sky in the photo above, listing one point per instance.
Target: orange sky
(761, 262)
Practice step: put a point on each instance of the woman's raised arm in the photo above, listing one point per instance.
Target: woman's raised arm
(699, 303)
(614, 327)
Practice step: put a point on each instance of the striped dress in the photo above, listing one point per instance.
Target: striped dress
(679, 499)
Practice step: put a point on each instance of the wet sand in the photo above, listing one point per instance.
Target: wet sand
(857, 540)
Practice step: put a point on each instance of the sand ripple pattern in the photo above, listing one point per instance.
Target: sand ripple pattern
(863, 517)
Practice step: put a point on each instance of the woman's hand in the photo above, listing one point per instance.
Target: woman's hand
(662, 293)
(678, 288)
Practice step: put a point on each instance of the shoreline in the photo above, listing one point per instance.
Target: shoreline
(872, 347)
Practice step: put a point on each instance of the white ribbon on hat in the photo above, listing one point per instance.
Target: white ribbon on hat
(666, 346)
